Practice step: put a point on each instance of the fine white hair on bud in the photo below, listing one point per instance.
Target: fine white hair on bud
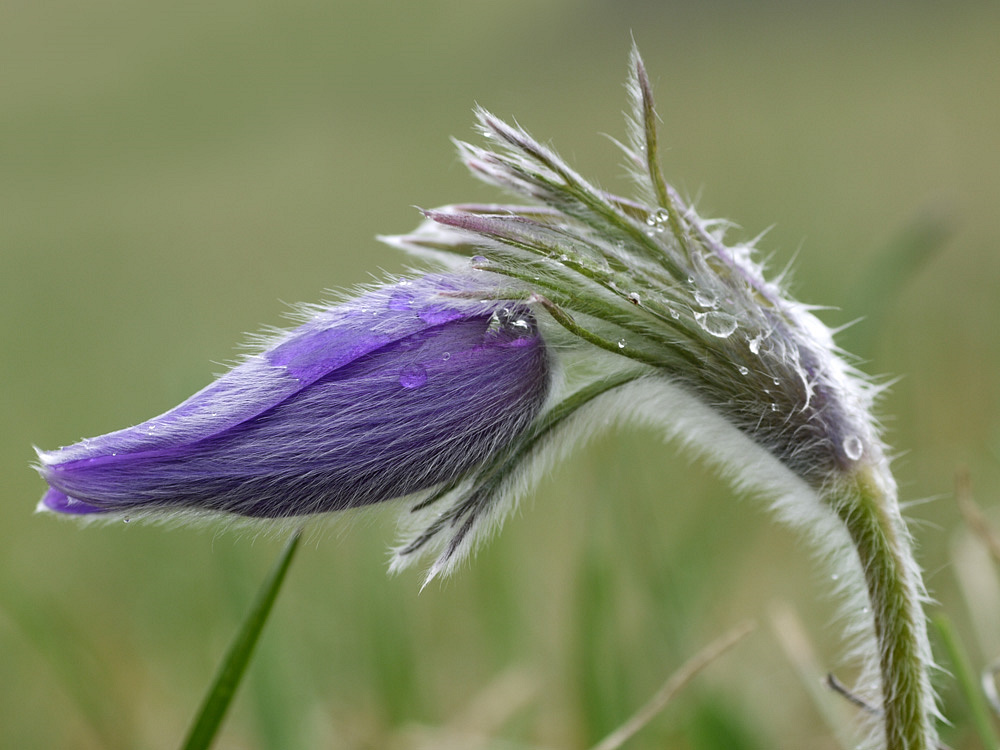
(673, 327)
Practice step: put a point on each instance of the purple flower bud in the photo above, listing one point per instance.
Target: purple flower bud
(399, 390)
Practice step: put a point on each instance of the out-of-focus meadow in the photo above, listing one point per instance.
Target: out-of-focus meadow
(172, 175)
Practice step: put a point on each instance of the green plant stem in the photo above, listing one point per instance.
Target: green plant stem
(227, 679)
(871, 515)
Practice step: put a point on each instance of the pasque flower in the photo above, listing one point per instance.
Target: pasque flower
(393, 392)
(549, 321)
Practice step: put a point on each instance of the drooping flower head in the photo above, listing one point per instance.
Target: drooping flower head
(441, 388)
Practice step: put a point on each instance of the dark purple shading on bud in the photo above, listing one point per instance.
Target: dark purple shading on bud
(396, 391)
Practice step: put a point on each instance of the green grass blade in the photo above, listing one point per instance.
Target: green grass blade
(967, 682)
(877, 292)
(227, 679)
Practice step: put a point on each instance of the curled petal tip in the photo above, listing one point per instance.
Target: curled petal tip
(54, 501)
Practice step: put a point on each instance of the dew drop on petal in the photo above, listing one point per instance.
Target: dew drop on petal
(853, 447)
(717, 323)
(413, 376)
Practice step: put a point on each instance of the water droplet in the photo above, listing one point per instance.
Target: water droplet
(754, 344)
(853, 447)
(446, 356)
(775, 381)
(774, 406)
(705, 300)
(126, 519)
(563, 258)
(835, 577)
(621, 343)
(634, 298)
(658, 220)
(413, 376)
(744, 370)
(716, 323)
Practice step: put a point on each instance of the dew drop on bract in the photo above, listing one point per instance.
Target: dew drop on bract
(658, 220)
(754, 344)
(413, 376)
(634, 298)
(717, 323)
(621, 343)
(744, 370)
(853, 447)
(705, 300)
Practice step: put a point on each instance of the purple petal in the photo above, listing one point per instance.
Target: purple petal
(368, 401)
(332, 339)
(54, 500)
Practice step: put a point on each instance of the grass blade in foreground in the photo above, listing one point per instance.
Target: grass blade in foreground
(968, 685)
(220, 695)
(671, 687)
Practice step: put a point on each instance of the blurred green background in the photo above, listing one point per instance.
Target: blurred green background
(171, 175)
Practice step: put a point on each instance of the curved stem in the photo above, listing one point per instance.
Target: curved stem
(871, 515)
